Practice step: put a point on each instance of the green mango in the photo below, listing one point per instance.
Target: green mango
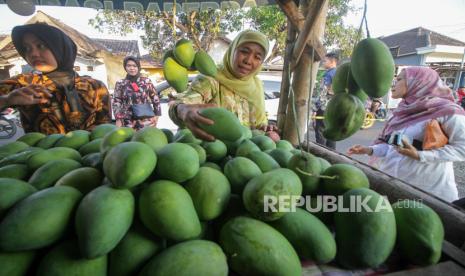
(184, 53)
(373, 67)
(175, 74)
(344, 115)
(205, 64)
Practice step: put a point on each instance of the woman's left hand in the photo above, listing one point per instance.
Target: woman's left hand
(154, 121)
(408, 150)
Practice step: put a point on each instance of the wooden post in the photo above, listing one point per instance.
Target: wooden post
(285, 82)
(395, 189)
(308, 32)
(301, 83)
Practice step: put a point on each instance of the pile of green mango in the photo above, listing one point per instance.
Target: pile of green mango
(183, 57)
(369, 73)
(113, 201)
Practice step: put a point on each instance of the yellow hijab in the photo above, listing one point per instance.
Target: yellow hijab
(249, 87)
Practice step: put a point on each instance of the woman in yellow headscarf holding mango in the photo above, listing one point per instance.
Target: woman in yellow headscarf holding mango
(236, 87)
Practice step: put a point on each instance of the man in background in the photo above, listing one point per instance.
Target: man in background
(326, 92)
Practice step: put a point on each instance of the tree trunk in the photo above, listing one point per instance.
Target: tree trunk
(294, 130)
(285, 82)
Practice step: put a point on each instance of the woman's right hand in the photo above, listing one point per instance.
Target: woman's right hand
(28, 95)
(189, 114)
(359, 149)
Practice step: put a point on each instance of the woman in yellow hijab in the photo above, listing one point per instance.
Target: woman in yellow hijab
(236, 87)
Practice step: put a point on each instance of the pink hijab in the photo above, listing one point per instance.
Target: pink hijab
(427, 98)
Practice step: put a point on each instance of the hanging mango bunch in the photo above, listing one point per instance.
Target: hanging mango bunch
(369, 73)
(183, 57)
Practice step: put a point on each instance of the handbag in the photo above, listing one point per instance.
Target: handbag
(142, 111)
(434, 136)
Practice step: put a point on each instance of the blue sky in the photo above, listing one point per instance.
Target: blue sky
(385, 17)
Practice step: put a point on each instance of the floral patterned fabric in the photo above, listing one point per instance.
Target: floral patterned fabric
(126, 95)
(56, 116)
(208, 90)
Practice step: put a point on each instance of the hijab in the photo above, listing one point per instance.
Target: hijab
(427, 98)
(249, 87)
(64, 50)
(137, 61)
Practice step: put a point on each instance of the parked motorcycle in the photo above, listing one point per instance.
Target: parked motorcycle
(375, 110)
(9, 122)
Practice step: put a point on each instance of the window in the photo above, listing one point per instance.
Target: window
(77, 68)
(394, 51)
(90, 68)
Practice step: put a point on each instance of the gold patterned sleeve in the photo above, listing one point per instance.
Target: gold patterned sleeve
(201, 91)
(8, 85)
(103, 112)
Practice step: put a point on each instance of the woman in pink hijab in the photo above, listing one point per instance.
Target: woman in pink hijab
(424, 97)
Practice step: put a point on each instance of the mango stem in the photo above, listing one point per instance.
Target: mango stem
(319, 176)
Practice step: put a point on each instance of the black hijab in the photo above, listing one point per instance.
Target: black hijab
(63, 49)
(137, 61)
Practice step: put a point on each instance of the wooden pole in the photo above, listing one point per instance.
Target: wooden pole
(296, 18)
(308, 32)
(301, 84)
(395, 189)
(285, 82)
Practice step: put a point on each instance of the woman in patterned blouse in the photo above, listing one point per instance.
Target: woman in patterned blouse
(134, 89)
(54, 98)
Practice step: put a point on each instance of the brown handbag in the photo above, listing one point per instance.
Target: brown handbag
(434, 136)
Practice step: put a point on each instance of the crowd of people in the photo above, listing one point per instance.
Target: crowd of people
(56, 99)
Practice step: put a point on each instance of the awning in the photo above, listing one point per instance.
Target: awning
(140, 5)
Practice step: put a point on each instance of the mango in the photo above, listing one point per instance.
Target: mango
(420, 232)
(255, 248)
(129, 164)
(153, 137)
(101, 130)
(12, 191)
(346, 177)
(17, 171)
(344, 115)
(166, 208)
(84, 179)
(74, 139)
(177, 162)
(197, 257)
(373, 67)
(205, 64)
(115, 137)
(50, 140)
(16, 263)
(50, 172)
(47, 212)
(210, 192)
(308, 235)
(365, 237)
(184, 52)
(175, 74)
(261, 194)
(134, 251)
(39, 158)
(102, 219)
(31, 138)
(91, 147)
(226, 125)
(12, 148)
(239, 171)
(65, 259)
